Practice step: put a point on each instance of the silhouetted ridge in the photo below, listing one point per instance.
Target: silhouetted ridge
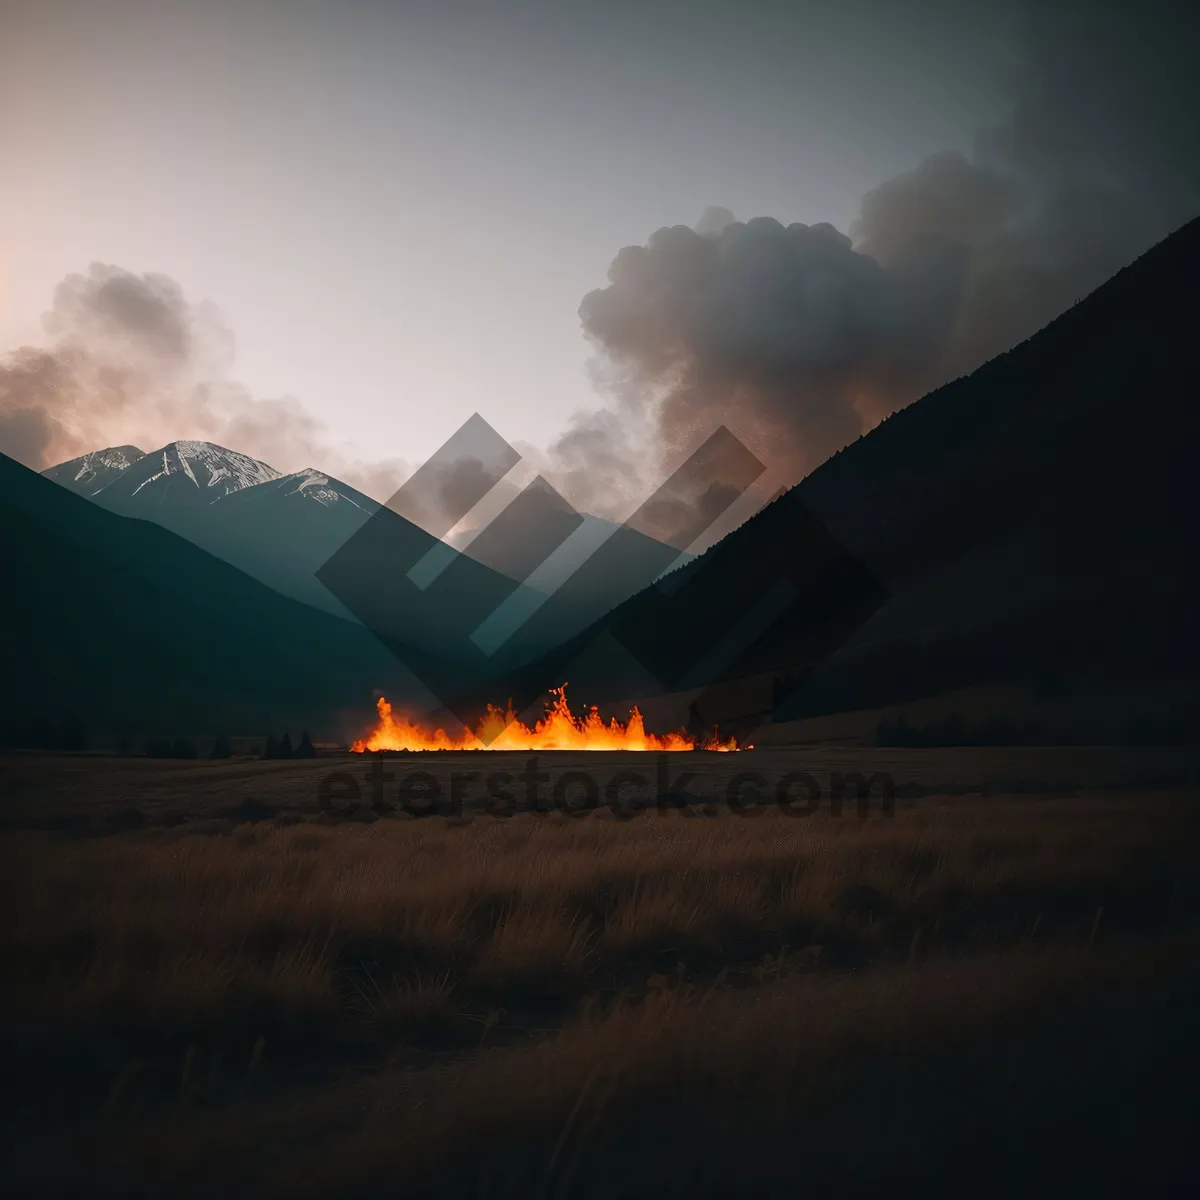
(144, 633)
(1030, 517)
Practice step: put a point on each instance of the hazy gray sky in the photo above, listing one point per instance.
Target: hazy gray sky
(398, 207)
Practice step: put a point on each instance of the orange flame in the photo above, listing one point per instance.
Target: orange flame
(559, 729)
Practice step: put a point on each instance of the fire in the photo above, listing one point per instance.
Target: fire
(559, 729)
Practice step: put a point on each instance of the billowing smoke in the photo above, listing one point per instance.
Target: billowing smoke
(783, 333)
(130, 360)
(800, 338)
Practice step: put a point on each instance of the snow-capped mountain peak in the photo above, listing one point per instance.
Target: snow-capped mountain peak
(213, 468)
(324, 489)
(88, 473)
(187, 473)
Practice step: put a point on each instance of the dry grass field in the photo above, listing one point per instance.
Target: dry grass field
(215, 982)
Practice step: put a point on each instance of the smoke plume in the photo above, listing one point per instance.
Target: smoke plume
(800, 338)
(130, 360)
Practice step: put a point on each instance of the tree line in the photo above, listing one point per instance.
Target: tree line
(222, 747)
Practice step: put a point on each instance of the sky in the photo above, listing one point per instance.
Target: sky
(397, 208)
(375, 219)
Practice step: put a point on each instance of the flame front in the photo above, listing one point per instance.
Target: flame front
(559, 729)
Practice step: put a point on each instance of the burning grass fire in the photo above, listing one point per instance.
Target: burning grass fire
(559, 729)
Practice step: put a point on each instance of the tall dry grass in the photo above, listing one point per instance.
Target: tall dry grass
(177, 928)
(1047, 1071)
(557, 994)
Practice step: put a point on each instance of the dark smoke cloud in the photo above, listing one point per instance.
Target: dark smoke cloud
(714, 219)
(130, 360)
(800, 338)
(738, 326)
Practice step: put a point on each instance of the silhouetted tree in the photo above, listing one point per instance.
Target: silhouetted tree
(158, 748)
(221, 747)
(271, 750)
(285, 746)
(305, 749)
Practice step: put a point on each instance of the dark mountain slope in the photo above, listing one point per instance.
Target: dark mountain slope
(282, 529)
(133, 629)
(1033, 521)
(1030, 522)
(279, 530)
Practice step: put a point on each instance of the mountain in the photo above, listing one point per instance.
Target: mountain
(278, 528)
(132, 629)
(184, 474)
(89, 473)
(283, 529)
(1028, 524)
(321, 489)
(1032, 521)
